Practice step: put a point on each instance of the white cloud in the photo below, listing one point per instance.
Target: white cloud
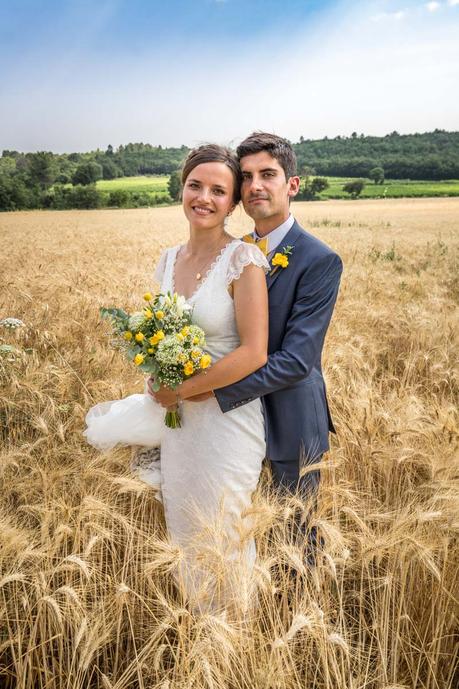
(400, 14)
(453, 3)
(432, 6)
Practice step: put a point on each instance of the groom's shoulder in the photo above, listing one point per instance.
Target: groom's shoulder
(313, 247)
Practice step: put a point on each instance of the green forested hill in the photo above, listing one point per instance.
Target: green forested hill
(430, 156)
(45, 179)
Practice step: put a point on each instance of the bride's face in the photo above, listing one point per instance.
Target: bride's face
(208, 194)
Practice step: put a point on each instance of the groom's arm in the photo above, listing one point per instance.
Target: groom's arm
(304, 336)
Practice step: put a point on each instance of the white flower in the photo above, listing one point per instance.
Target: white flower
(12, 323)
(181, 306)
(136, 320)
(166, 301)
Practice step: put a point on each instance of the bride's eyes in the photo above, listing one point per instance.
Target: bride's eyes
(218, 191)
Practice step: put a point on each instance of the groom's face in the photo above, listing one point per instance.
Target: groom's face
(265, 190)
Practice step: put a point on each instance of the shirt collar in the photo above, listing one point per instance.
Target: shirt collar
(276, 236)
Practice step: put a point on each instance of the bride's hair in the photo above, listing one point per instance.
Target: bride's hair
(213, 153)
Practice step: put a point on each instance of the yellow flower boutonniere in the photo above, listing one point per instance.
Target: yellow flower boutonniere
(280, 259)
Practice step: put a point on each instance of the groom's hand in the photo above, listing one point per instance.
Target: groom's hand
(202, 397)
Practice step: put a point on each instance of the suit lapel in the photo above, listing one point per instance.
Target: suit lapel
(289, 239)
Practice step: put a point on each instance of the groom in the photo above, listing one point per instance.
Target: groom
(302, 287)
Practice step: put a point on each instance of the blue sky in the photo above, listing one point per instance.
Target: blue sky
(76, 75)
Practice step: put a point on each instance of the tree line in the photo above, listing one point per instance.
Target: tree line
(48, 180)
(430, 156)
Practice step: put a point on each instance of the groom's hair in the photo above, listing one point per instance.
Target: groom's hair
(276, 146)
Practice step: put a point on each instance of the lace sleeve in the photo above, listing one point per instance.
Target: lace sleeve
(161, 266)
(242, 256)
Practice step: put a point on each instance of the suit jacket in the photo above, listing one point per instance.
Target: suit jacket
(301, 301)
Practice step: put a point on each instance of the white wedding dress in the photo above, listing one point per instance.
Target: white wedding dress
(210, 466)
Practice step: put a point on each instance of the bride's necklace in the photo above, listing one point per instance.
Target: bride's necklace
(200, 272)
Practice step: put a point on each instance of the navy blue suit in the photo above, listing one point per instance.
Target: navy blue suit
(301, 301)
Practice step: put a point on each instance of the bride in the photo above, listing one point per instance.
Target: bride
(210, 466)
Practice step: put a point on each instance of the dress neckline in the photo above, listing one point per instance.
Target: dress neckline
(212, 266)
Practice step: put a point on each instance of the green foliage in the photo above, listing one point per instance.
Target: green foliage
(14, 194)
(354, 188)
(63, 197)
(87, 173)
(430, 156)
(118, 317)
(377, 175)
(427, 165)
(174, 186)
(110, 170)
(119, 198)
(42, 169)
(312, 188)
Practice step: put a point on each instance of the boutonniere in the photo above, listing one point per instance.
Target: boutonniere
(280, 259)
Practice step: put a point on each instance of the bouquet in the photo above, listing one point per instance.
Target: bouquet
(161, 340)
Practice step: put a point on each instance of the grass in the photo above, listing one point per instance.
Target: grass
(390, 189)
(393, 188)
(151, 184)
(87, 592)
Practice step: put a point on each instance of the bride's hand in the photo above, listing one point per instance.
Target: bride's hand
(166, 397)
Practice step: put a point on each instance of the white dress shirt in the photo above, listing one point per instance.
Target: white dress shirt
(276, 236)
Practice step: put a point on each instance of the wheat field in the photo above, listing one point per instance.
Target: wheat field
(87, 595)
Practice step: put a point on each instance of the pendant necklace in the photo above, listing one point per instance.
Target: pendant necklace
(198, 275)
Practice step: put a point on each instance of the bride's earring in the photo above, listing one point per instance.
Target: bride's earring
(226, 220)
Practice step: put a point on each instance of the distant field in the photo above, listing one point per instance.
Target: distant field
(157, 184)
(393, 188)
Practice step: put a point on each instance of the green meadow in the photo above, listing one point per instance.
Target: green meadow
(393, 188)
(157, 184)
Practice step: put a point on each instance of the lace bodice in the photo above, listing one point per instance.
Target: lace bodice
(213, 307)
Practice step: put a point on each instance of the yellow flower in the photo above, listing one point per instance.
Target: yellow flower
(156, 337)
(280, 260)
(150, 350)
(196, 353)
(182, 358)
(139, 337)
(159, 315)
(139, 359)
(180, 337)
(195, 340)
(206, 360)
(148, 313)
(148, 296)
(185, 331)
(127, 335)
(188, 368)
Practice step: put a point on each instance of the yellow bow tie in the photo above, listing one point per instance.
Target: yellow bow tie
(261, 243)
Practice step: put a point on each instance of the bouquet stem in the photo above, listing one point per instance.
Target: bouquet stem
(172, 419)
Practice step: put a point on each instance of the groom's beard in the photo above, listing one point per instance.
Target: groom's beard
(258, 211)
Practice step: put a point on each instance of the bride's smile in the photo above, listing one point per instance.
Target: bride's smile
(208, 195)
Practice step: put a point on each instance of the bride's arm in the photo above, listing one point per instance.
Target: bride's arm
(250, 296)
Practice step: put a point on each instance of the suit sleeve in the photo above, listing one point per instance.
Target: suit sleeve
(303, 340)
